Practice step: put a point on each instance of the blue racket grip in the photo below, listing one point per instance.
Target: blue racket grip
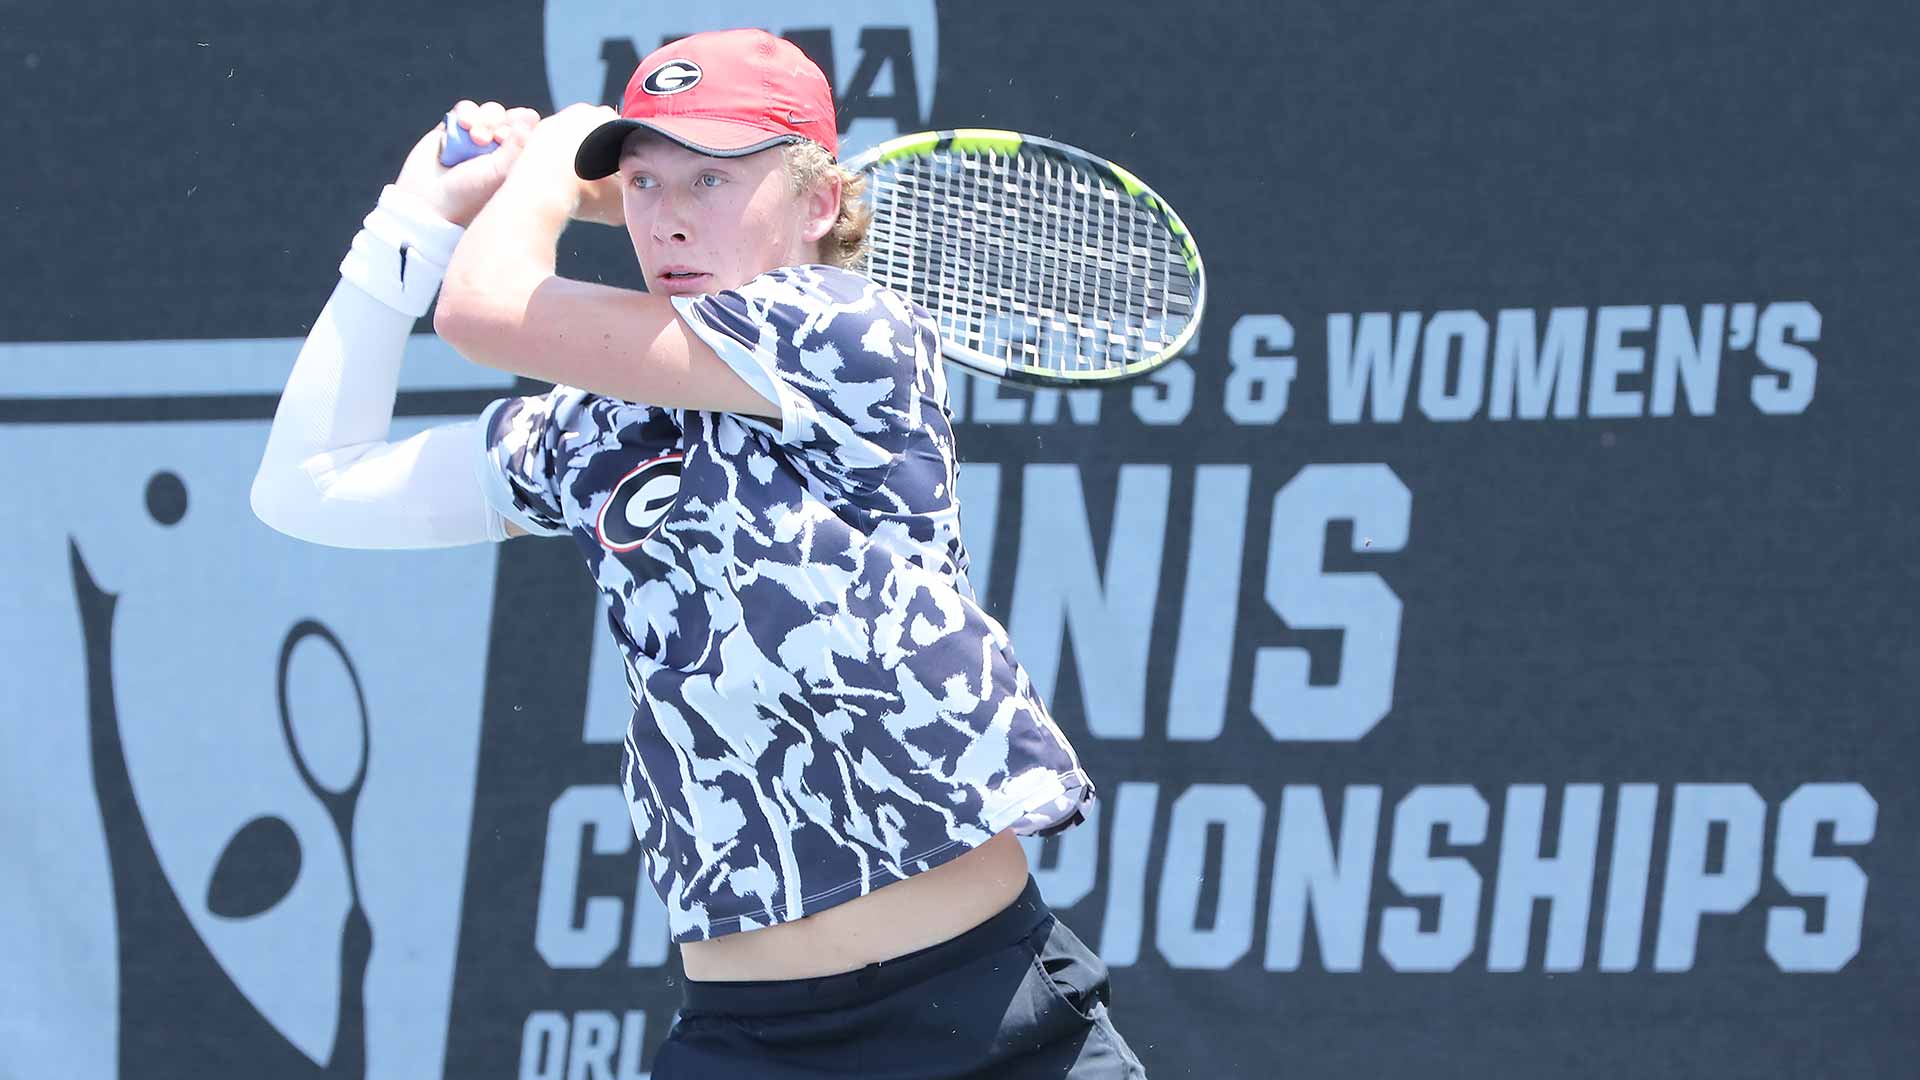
(459, 145)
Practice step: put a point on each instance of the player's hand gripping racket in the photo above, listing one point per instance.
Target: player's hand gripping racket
(1041, 263)
(459, 144)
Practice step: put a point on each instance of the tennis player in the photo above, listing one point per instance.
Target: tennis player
(833, 749)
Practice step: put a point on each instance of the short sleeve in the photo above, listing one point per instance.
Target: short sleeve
(838, 353)
(521, 457)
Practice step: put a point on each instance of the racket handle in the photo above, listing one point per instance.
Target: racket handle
(459, 145)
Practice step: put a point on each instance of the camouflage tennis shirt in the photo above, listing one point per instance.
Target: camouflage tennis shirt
(821, 707)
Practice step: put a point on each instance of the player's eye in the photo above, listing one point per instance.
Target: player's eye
(710, 180)
(642, 180)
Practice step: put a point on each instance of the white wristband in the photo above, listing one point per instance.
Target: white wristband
(401, 254)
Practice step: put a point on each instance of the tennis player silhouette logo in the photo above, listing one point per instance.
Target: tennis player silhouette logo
(225, 996)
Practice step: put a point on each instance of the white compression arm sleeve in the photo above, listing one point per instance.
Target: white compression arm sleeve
(329, 475)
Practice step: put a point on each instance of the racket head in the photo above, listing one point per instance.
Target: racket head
(1041, 263)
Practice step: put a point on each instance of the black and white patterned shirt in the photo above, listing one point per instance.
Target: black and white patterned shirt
(821, 705)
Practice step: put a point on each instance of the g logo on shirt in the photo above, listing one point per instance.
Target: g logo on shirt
(639, 501)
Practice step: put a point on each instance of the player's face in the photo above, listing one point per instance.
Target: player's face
(701, 224)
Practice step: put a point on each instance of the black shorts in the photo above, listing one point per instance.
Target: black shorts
(1017, 996)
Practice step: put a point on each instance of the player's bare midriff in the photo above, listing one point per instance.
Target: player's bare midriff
(906, 916)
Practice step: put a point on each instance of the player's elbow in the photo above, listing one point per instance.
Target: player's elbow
(273, 504)
(288, 504)
(451, 321)
(474, 332)
(476, 318)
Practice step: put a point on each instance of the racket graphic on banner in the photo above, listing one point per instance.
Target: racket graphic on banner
(1041, 263)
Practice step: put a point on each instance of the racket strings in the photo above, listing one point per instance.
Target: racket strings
(1031, 260)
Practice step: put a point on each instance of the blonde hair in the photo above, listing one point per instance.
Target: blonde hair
(845, 245)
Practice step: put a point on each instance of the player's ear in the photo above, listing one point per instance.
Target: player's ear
(821, 204)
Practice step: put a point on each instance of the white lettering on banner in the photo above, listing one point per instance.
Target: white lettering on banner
(1460, 814)
(1105, 608)
(1136, 804)
(599, 810)
(1106, 605)
(1565, 881)
(1627, 877)
(1314, 873)
(1840, 882)
(1308, 877)
(1241, 817)
(1369, 365)
(1788, 388)
(1613, 359)
(1681, 360)
(1372, 359)
(1309, 597)
(543, 1041)
(1693, 889)
(1162, 398)
(1166, 396)
(1430, 861)
(1526, 377)
(1209, 606)
(591, 1044)
(1259, 374)
(1443, 395)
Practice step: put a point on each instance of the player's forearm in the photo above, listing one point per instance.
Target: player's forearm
(342, 386)
(506, 255)
(328, 474)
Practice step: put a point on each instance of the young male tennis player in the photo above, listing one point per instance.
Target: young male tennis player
(832, 748)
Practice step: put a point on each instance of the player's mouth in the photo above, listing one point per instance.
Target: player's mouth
(682, 279)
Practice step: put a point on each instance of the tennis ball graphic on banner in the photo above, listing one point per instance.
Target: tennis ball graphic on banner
(880, 55)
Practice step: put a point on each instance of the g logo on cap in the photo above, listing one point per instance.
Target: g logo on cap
(672, 77)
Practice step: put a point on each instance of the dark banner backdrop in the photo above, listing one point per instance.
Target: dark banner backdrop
(1495, 643)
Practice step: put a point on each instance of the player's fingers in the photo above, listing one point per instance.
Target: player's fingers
(479, 120)
(520, 123)
(466, 113)
(492, 118)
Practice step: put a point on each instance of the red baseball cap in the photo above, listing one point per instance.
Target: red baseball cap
(724, 93)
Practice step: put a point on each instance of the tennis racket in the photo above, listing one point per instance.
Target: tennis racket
(1041, 263)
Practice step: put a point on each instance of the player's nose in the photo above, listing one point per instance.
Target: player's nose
(672, 222)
